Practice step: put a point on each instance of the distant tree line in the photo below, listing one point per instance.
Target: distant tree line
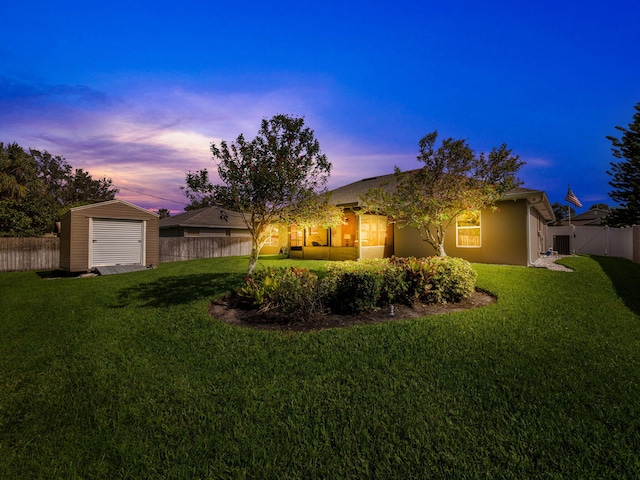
(37, 189)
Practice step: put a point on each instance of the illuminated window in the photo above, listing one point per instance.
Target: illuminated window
(373, 230)
(468, 229)
(317, 237)
(297, 236)
(273, 237)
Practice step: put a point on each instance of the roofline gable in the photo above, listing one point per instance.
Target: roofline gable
(109, 202)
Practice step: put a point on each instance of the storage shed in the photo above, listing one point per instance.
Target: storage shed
(108, 233)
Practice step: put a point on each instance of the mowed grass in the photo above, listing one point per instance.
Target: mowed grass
(127, 376)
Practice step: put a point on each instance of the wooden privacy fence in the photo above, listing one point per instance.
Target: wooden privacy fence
(175, 249)
(24, 254)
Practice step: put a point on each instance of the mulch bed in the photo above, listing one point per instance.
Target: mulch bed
(224, 310)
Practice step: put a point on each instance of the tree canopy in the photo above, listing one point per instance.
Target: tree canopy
(164, 213)
(626, 174)
(453, 180)
(274, 178)
(37, 188)
(561, 212)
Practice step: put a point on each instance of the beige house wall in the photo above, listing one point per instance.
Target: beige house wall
(503, 238)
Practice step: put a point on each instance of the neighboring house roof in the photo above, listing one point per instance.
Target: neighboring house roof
(591, 217)
(349, 195)
(209, 217)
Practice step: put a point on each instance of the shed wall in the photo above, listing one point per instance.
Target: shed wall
(74, 253)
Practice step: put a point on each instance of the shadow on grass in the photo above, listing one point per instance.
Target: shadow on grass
(625, 276)
(170, 291)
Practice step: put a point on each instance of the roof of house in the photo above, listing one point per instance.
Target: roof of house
(593, 216)
(209, 217)
(345, 196)
(349, 195)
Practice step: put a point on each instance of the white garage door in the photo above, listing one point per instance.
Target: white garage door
(117, 242)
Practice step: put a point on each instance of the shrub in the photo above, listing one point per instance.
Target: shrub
(437, 279)
(356, 286)
(450, 280)
(293, 291)
(351, 287)
(415, 277)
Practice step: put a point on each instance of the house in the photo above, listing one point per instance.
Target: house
(515, 233)
(592, 217)
(204, 222)
(108, 233)
(218, 222)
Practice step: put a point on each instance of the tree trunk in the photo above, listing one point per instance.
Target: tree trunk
(436, 243)
(253, 259)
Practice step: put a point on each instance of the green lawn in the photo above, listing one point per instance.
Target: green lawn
(127, 376)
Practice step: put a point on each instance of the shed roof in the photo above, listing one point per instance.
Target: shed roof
(100, 205)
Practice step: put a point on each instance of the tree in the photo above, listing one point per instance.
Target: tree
(37, 188)
(626, 174)
(452, 181)
(274, 178)
(198, 190)
(560, 211)
(18, 172)
(164, 213)
(69, 187)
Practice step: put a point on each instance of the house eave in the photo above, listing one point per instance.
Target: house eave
(535, 198)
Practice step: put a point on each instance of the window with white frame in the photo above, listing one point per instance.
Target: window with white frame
(468, 230)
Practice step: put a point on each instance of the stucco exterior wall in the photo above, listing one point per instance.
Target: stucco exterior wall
(503, 238)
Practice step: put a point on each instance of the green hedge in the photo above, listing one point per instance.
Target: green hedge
(351, 287)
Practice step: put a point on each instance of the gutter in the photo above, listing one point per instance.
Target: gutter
(531, 205)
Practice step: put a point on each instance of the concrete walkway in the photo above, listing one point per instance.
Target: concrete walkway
(550, 263)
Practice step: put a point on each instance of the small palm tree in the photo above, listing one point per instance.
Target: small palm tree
(17, 172)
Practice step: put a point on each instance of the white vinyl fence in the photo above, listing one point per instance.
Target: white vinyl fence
(598, 240)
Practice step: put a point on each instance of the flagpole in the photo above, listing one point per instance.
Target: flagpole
(570, 230)
(572, 199)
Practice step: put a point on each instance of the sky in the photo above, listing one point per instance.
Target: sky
(137, 91)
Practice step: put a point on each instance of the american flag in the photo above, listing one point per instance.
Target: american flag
(571, 198)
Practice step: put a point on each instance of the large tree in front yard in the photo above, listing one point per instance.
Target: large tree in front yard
(453, 180)
(274, 178)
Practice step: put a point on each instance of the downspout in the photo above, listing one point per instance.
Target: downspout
(529, 251)
(528, 220)
(358, 237)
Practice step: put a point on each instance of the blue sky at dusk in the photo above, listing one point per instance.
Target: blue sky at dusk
(137, 91)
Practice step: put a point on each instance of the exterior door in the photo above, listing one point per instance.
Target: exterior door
(562, 244)
(116, 242)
